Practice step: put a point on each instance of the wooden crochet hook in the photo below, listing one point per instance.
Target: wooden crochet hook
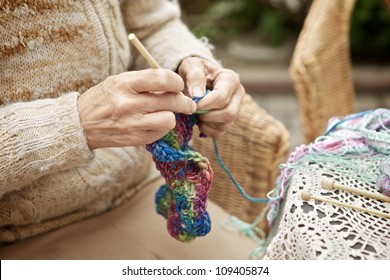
(306, 196)
(154, 64)
(140, 47)
(144, 52)
(330, 184)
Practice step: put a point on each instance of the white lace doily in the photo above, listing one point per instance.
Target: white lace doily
(319, 230)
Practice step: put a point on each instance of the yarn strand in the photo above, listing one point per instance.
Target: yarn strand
(238, 186)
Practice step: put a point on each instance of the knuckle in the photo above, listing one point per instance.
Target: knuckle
(189, 61)
(167, 79)
(161, 73)
(234, 77)
(185, 106)
(114, 82)
(230, 115)
(168, 101)
(241, 90)
(222, 100)
(162, 76)
(233, 74)
(119, 105)
(185, 63)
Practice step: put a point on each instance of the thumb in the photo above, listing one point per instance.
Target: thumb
(192, 70)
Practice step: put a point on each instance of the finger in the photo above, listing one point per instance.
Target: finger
(156, 125)
(215, 132)
(155, 102)
(149, 80)
(192, 70)
(218, 126)
(158, 121)
(226, 114)
(225, 86)
(146, 128)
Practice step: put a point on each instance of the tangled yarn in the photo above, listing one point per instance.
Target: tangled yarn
(365, 134)
(183, 199)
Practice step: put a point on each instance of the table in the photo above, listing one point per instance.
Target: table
(318, 230)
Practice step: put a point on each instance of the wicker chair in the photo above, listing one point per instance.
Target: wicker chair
(252, 150)
(321, 66)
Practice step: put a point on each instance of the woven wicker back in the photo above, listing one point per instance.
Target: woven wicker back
(321, 67)
(252, 150)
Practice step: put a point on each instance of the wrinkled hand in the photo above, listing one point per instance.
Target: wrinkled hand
(224, 99)
(132, 108)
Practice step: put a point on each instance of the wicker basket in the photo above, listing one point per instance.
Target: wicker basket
(252, 150)
(321, 67)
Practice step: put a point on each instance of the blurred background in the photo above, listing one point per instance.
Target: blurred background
(256, 38)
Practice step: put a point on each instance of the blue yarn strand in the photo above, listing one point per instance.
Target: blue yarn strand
(242, 191)
(354, 116)
(224, 167)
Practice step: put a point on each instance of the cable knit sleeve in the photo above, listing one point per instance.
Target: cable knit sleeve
(158, 25)
(39, 138)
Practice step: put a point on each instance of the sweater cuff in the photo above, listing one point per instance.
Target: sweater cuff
(71, 138)
(41, 137)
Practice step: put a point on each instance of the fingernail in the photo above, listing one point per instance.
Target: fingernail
(197, 92)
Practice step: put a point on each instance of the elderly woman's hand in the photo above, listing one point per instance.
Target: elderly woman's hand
(132, 108)
(224, 99)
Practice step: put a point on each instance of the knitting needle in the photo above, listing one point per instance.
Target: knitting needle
(306, 196)
(330, 184)
(154, 64)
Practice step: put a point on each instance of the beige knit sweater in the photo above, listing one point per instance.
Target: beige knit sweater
(51, 51)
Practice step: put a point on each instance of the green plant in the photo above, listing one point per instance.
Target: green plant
(223, 20)
(370, 31)
(273, 22)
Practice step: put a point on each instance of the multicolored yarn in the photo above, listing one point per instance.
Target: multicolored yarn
(183, 199)
(365, 134)
(373, 127)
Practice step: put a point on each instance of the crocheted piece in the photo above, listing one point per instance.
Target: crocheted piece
(365, 134)
(354, 152)
(183, 199)
(317, 230)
